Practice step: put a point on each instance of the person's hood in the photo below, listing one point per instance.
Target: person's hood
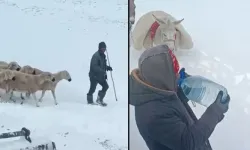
(155, 79)
(102, 45)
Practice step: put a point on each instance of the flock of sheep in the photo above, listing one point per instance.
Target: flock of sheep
(29, 80)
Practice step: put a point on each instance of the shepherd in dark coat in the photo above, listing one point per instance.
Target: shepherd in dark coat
(163, 116)
(98, 75)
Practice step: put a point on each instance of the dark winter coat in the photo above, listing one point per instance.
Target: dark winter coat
(163, 116)
(98, 66)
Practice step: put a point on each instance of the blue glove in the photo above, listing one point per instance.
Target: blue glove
(183, 75)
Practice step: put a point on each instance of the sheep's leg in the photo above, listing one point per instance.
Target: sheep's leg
(43, 93)
(22, 96)
(11, 96)
(7, 89)
(34, 97)
(7, 93)
(22, 99)
(54, 95)
(3, 98)
(27, 94)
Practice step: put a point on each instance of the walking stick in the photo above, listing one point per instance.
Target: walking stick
(111, 76)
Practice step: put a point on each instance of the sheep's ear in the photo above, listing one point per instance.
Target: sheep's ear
(159, 20)
(178, 21)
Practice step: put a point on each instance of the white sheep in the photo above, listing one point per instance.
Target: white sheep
(28, 83)
(12, 65)
(48, 85)
(28, 69)
(25, 69)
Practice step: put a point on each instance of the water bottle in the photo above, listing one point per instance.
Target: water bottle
(202, 90)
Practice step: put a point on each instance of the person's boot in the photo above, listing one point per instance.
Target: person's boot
(90, 99)
(100, 99)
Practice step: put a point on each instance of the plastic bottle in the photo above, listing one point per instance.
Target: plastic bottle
(202, 90)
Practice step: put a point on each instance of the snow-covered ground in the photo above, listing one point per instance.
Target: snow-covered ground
(55, 35)
(221, 34)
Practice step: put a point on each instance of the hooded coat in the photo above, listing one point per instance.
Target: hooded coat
(98, 64)
(163, 116)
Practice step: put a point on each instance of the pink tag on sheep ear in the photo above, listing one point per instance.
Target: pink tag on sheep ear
(153, 29)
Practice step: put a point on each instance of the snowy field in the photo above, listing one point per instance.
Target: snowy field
(221, 34)
(56, 35)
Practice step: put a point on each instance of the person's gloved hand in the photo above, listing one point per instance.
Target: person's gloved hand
(182, 76)
(109, 68)
(183, 70)
(220, 106)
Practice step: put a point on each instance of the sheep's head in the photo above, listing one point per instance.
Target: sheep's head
(10, 75)
(18, 69)
(7, 75)
(35, 72)
(168, 31)
(14, 66)
(27, 69)
(65, 75)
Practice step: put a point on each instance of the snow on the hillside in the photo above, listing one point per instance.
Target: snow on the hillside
(221, 52)
(55, 35)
